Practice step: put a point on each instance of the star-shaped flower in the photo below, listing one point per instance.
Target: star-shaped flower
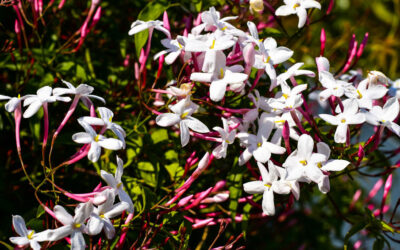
(297, 7)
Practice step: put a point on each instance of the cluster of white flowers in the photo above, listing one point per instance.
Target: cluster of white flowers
(100, 207)
(273, 118)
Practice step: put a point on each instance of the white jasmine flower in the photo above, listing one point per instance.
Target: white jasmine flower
(139, 26)
(212, 19)
(332, 86)
(257, 145)
(74, 227)
(184, 90)
(214, 41)
(221, 78)
(302, 164)
(260, 102)
(385, 116)
(364, 95)
(100, 219)
(228, 137)
(105, 119)
(349, 116)
(13, 102)
(267, 187)
(294, 70)
(116, 183)
(25, 236)
(297, 7)
(97, 141)
(43, 95)
(181, 115)
(174, 49)
(83, 91)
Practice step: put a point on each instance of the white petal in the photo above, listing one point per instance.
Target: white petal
(111, 143)
(77, 241)
(44, 92)
(94, 152)
(195, 125)
(254, 187)
(391, 109)
(19, 241)
(305, 147)
(120, 170)
(285, 10)
(94, 225)
(35, 245)
(245, 157)
(280, 55)
(62, 215)
(201, 77)
(109, 229)
(217, 90)
(324, 149)
(324, 185)
(82, 212)
(302, 14)
(82, 137)
(19, 225)
(109, 178)
(32, 109)
(56, 234)
(330, 119)
(335, 165)
(341, 132)
(167, 119)
(268, 204)
(395, 128)
(262, 154)
(123, 196)
(12, 104)
(310, 4)
(117, 209)
(275, 149)
(356, 119)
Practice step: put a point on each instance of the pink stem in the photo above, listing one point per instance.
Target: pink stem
(386, 191)
(68, 114)
(323, 41)
(17, 118)
(46, 124)
(374, 190)
(124, 232)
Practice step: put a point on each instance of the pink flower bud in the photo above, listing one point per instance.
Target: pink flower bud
(323, 40)
(166, 21)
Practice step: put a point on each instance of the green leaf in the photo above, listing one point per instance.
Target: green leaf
(355, 229)
(40, 211)
(235, 184)
(378, 244)
(151, 12)
(80, 72)
(159, 135)
(65, 66)
(147, 173)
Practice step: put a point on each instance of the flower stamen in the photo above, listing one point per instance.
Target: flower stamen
(303, 162)
(213, 44)
(30, 235)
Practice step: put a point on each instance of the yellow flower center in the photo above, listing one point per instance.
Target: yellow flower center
(31, 234)
(180, 45)
(77, 225)
(343, 120)
(183, 116)
(119, 185)
(102, 216)
(224, 28)
(267, 185)
(110, 119)
(286, 96)
(359, 94)
(280, 121)
(221, 73)
(268, 59)
(319, 164)
(227, 141)
(96, 139)
(296, 5)
(213, 44)
(303, 162)
(383, 121)
(259, 144)
(19, 96)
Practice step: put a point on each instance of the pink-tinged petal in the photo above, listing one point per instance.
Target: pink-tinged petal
(324, 185)
(330, 119)
(94, 152)
(245, 157)
(195, 125)
(386, 190)
(268, 204)
(322, 64)
(32, 109)
(77, 240)
(340, 134)
(217, 90)
(94, 225)
(82, 137)
(19, 241)
(335, 165)
(254, 187)
(167, 119)
(305, 147)
(285, 10)
(109, 178)
(220, 151)
(19, 225)
(111, 143)
(324, 149)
